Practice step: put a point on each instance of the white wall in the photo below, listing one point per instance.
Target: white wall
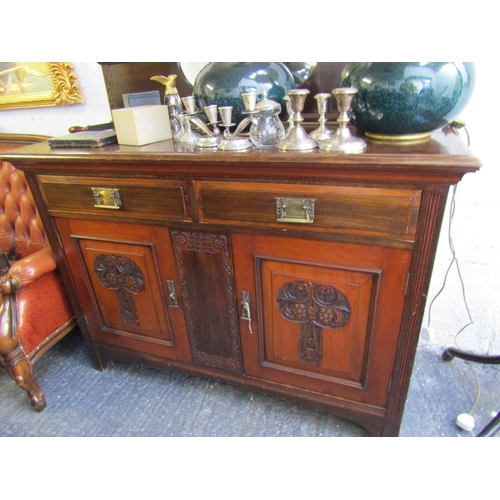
(475, 236)
(474, 228)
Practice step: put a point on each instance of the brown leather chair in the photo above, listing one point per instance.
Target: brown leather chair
(34, 309)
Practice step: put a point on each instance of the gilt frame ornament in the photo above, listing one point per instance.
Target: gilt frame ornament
(38, 84)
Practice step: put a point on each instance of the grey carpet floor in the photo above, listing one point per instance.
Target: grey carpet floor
(128, 400)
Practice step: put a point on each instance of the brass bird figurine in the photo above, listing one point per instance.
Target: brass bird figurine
(171, 99)
(169, 82)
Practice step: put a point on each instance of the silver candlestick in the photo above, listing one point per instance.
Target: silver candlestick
(322, 132)
(289, 113)
(297, 139)
(249, 101)
(186, 136)
(343, 141)
(209, 139)
(233, 142)
(213, 137)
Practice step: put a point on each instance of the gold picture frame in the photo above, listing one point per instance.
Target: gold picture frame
(38, 84)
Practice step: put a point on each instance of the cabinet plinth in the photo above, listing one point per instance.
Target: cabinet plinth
(302, 275)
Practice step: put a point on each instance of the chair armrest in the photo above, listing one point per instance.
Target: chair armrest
(24, 271)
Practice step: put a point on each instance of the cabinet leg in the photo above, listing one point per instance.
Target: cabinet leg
(99, 360)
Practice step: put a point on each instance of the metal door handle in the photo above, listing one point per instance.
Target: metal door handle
(245, 310)
(172, 294)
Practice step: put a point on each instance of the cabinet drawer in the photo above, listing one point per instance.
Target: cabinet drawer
(127, 198)
(392, 212)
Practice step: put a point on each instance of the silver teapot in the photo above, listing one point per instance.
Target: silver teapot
(266, 128)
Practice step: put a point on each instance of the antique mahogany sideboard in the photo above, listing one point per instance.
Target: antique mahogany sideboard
(301, 275)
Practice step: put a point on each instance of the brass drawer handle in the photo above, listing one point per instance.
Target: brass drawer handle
(107, 198)
(300, 210)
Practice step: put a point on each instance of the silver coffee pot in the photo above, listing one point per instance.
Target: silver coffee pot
(266, 129)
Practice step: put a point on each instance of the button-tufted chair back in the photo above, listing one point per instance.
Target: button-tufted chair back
(21, 229)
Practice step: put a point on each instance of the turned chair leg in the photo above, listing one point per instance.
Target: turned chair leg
(15, 361)
(20, 369)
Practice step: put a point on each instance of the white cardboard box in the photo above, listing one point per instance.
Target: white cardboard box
(142, 125)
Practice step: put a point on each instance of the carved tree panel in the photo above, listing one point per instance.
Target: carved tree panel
(123, 275)
(316, 307)
(319, 318)
(127, 294)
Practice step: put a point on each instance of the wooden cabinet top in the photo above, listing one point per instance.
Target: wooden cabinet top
(442, 159)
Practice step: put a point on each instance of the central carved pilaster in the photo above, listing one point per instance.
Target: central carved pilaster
(204, 263)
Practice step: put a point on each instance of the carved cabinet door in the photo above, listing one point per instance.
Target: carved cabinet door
(126, 279)
(321, 316)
